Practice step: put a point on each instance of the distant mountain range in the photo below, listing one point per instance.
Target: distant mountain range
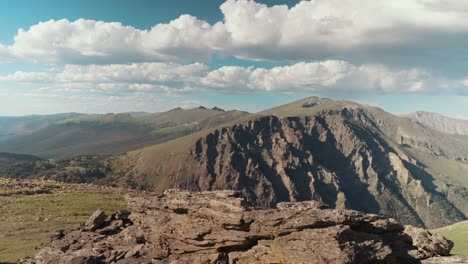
(15, 126)
(442, 123)
(68, 135)
(344, 154)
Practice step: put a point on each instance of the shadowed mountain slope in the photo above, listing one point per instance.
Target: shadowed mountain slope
(9, 158)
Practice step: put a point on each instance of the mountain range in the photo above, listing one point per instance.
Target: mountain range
(344, 154)
(69, 135)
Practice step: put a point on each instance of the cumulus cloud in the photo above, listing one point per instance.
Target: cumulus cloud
(137, 76)
(149, 72)
(309, 30)
(88, 41)
(323, 76)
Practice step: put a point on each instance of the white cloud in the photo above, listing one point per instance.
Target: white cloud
(308, 30)
(88, 41)
(5, 54)
(21, 76)
(326, 76)
(172, 78)
(149, 72)
(136, 76)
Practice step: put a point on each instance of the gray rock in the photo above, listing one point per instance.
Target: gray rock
(134, 251)
(96, 220)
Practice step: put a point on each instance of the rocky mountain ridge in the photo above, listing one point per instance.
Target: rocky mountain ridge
(221, 227)
(340, 157)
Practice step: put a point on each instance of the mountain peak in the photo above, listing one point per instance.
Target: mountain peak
(310, 106)
(217, 109)
(175, 109)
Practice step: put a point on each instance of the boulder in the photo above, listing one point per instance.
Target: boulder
(96, 220)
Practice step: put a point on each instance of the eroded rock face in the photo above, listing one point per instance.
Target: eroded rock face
(221, 227)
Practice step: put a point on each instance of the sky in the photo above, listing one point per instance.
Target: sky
(120, 55)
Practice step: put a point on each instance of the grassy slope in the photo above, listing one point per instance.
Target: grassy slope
(458, 233)
(114, 133)
(28, 218)
(69, 140)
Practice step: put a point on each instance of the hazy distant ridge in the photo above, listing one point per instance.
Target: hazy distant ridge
(441, 123)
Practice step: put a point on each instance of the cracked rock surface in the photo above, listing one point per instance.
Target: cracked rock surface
(221, 227)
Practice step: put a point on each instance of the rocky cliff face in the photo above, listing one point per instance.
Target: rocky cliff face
(340, 158)
(221, 227)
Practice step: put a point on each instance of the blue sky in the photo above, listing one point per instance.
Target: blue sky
(63, 56)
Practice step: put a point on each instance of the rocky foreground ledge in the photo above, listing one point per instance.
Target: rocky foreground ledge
(221, 227)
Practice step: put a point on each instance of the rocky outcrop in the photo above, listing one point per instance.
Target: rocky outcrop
(221, 227)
